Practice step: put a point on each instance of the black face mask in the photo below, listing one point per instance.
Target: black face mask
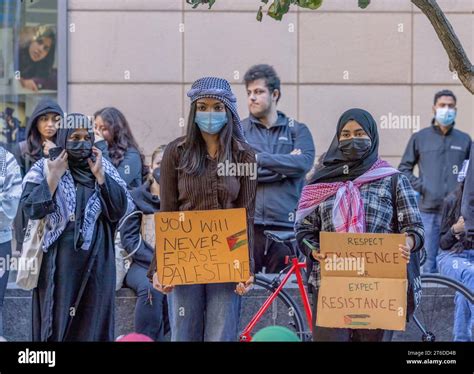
(156, 175)
(78, 150)
(354, 149)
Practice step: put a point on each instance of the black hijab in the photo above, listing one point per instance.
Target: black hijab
(80, 170)
(335, 165)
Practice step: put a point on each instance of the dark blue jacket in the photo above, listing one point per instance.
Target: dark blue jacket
(281, 176)
(130, 168)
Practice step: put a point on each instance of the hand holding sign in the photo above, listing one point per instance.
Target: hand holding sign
(318, 256)
(243, 288)
(159, 287)
(406, 249)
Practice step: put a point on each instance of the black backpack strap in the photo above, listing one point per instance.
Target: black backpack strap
(394, 181)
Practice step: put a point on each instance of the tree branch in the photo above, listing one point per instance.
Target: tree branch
(458, 59)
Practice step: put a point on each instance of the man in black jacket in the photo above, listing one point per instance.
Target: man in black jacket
(285, 153)
(439, 151)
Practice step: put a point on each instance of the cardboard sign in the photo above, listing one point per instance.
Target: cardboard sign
(200, 247)
(363, 281)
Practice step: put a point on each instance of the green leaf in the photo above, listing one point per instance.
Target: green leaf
(364, 4)
(279, 8)
(259, 14)
(196, 3)
(310, 4)
(273, 12)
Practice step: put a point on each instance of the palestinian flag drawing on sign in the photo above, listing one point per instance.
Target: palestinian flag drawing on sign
(236, 240)
(349, 319)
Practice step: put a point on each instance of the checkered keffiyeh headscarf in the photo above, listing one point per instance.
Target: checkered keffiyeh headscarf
(217, 88)
(348, 209)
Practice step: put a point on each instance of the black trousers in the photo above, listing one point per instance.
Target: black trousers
(327, 334)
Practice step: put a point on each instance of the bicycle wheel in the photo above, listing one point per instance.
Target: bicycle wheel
(284, 311)
(434, 317)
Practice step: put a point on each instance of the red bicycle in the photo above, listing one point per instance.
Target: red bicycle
(271, 303)
(279, 306)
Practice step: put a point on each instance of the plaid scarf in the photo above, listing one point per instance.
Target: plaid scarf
(65, 203)
(3, 162)
(348, 212)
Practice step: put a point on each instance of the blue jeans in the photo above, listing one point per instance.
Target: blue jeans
(460, 266)
(149, 310)
(204, 312)
(432, 224)
(5, 250)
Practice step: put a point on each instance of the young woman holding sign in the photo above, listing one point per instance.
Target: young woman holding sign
(189, 181)
(352, 192)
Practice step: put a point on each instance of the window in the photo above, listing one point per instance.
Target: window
(31, 67)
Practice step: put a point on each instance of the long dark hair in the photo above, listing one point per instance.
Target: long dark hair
(193, 161)
(452, 208)
(34, 143)
(121, 134)
(42, 69)
(455, 210)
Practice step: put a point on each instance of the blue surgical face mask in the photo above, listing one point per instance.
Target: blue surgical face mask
(445, 116)
(211, 122)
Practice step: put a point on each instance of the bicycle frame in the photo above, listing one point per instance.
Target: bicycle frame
(295, 268)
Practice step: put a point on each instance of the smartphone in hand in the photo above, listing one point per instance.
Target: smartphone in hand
(54, 153)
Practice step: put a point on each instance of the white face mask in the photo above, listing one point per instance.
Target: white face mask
(445, 116)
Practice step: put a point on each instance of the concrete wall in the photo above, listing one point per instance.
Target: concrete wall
(386, 59)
